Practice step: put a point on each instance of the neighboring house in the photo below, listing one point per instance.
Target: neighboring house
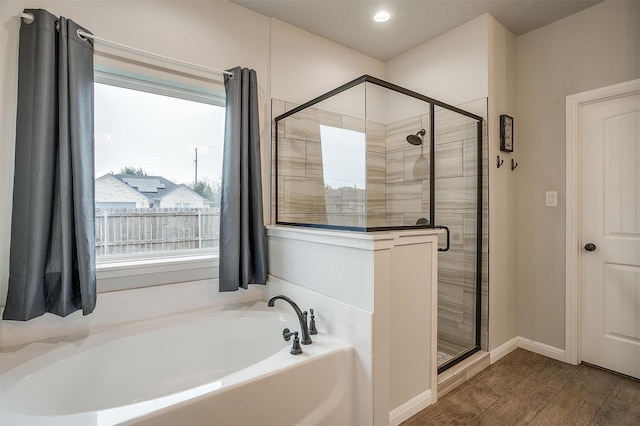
(183, 196)
(132, 191)
(113, 193)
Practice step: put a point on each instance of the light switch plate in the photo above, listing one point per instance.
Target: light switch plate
(552, 198)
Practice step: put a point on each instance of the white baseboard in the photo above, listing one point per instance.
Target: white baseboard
(529, 345)
(542, 349)
(503, 350)
(410, 408)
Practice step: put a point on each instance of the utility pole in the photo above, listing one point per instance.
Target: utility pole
(196, 164)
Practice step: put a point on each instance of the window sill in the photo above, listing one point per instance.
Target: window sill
(125, 274)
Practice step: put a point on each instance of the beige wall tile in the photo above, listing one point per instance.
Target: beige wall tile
(396, 133)
(292, 217)
(291, 156)
(411, 219)
(354, 124)
(375, 134)
(457, 333)
(448, 162)
(351, 220)
(450, 302)
(376, 197)
(313, 160)
(455, 195)
(394, 167)
(470, 157)
(302, 195)
(376, 219)
(457, 267)
(449, 126)
(426, 197)
(416, 164)
(469, 306)
(305, 125)
(376, 167)
(405, 197)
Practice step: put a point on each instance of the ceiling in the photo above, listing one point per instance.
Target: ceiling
(413, 22)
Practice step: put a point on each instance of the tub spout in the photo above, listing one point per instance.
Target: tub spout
(306, 338)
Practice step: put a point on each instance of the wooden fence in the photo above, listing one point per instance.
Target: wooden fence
(154, 230)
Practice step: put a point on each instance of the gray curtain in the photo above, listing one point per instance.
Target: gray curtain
(52, 258)
(242, 235)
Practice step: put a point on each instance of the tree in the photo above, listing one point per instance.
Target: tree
(208, 189)
(130, 170)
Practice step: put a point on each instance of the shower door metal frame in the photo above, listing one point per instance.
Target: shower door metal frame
(478, 317)
(433, 102)
(369, 79)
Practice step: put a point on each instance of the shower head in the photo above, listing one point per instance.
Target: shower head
(417, 138)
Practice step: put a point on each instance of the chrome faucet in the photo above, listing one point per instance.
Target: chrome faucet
(306, 338)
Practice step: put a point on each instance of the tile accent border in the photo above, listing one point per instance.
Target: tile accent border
(462, 372)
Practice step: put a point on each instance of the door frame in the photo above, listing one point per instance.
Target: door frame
(574, 104)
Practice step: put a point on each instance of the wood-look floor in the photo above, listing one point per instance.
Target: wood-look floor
(527, 388)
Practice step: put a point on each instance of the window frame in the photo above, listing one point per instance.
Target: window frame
(126, 272)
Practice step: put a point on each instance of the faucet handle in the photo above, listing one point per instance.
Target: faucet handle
(312, 324)
(296, 349)
(286, 334)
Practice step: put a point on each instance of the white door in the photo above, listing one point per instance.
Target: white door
(610, 212)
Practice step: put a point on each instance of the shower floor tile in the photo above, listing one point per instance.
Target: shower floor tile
(443, 357)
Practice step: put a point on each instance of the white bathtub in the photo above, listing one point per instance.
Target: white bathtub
(210, 367)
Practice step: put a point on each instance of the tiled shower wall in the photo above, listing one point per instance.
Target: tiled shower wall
(397, 193)
(407, 172)
(303, 196)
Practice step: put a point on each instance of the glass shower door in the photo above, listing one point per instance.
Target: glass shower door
(458, 180)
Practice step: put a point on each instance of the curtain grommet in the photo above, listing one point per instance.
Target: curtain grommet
(27, 18)
(80, 36)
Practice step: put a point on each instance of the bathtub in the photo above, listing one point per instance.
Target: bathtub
(209, 367)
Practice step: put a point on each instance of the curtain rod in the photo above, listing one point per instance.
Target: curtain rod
(29, 18)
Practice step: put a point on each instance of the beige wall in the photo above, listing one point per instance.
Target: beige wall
(451, 68)
(502, 188)
(594, 48)
(304, 65)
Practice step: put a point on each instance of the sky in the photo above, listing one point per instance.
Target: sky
(158, 134)
(343, 157)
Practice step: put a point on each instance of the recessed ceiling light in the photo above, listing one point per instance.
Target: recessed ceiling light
(381, 16)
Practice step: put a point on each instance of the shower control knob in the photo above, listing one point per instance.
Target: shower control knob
(590, 247)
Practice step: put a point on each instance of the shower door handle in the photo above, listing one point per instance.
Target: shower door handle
(448, 237)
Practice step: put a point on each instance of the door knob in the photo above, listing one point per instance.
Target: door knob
(590, 247)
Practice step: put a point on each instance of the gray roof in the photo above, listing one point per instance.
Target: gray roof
(154, 187)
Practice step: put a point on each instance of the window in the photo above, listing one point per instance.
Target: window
(343, 157)
(158, 164)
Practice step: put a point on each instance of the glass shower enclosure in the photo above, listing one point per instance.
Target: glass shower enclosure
(372, 156)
